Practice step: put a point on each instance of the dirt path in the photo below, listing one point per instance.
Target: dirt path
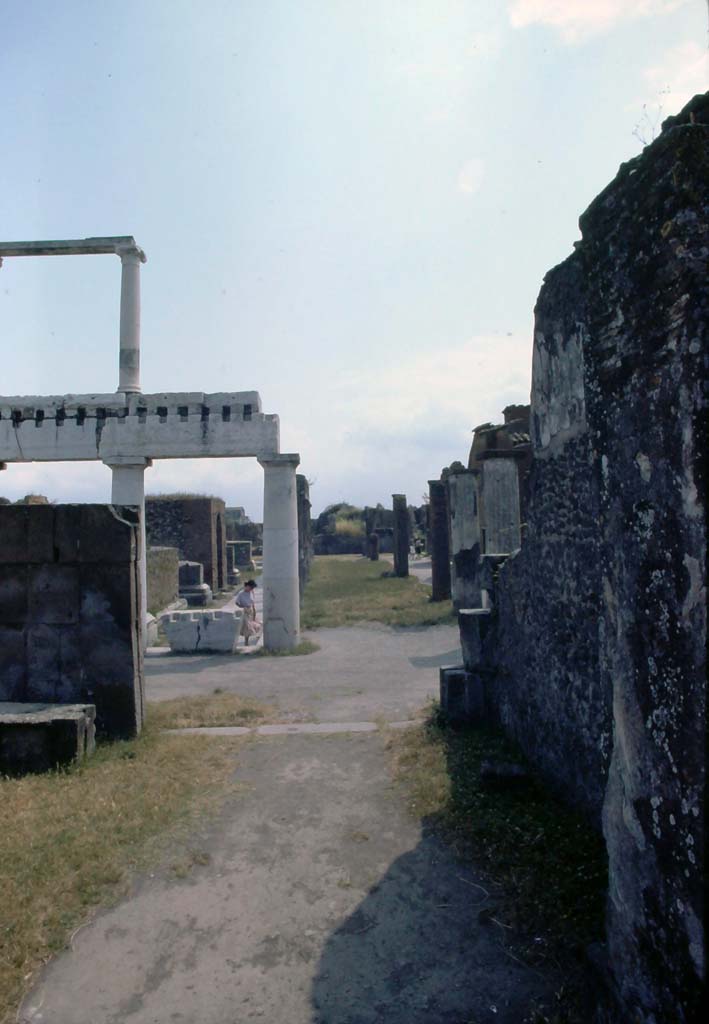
(314, 899)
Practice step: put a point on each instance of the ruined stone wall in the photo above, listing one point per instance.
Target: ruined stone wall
(69, 610)
(196, 527)
(163, 578)
(547, 691)
(597, 651)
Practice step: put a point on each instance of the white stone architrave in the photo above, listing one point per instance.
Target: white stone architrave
(127, 430)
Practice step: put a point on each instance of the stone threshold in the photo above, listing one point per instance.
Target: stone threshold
(288, 729)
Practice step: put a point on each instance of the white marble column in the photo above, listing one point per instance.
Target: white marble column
(281, 597)
(128, 488)
(129, 355)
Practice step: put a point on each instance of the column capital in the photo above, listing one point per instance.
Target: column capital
(273, 461)
(129, 461)
(131, 254)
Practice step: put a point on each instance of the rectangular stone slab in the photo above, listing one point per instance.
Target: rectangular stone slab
(41, 737)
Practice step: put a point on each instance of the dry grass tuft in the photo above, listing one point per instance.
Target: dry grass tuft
(69, 840)
(345, 590)
(209, 710)
(304, 647)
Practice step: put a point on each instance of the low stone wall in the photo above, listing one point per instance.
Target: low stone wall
(69, 610)
(163, 578)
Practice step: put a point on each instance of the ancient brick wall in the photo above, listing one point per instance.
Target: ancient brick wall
(597, 646)
(196, 527)
(163, 578)
(69, 610)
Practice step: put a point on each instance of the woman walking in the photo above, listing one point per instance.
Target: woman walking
(250, 626)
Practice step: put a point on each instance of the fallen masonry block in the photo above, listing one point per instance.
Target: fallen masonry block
(40, 737)
(189, 632)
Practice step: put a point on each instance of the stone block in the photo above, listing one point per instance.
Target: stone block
(191, 632)
(242, 553)
(13, 534)
(67, 533)
(108, 594)
(53, 663)
(474, 624)
(104, 536)
(461, 696)
(13, 670)
(54, 594)
(191, 574)
(197, 597)
(112, 678)
(41, 737)
(13, 593)
(40, 534)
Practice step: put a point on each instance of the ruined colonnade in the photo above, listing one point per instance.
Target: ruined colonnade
(126, 430)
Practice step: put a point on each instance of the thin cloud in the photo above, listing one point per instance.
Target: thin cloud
(471, 176)
(576, 20)
(484, 44)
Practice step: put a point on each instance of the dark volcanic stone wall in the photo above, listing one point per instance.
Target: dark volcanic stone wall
(196, 527)
(646, 257)
(597, 655)
(546, 690)
(69, 610)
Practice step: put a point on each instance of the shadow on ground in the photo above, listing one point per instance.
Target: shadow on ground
(452, 657)
(414, 952)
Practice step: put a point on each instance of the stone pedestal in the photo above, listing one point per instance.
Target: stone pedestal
(401, 535)
(439, 548)
(192, 586)
(281, 598)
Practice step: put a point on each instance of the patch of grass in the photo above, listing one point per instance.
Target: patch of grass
(547, 866)
(208, 710)
(345, 590)
(304, 647)
(69, 840)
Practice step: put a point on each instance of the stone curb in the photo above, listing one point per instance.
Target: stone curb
(296, 728)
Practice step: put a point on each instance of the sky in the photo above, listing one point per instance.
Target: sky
(347, 205)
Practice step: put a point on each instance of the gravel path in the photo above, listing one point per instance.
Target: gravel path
(315, 897)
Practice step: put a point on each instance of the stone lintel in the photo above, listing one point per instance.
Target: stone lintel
(117, 245)
(112, 427)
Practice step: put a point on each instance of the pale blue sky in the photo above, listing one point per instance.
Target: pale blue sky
(348, 206)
